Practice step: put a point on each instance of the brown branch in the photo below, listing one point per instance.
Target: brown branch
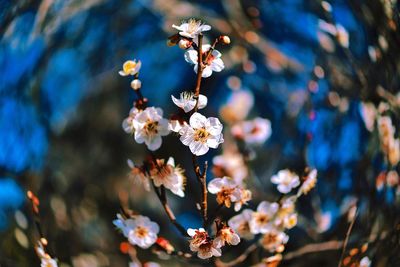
(242, 257)
(200, 67)
(312, 248)
(346, 240)
(164, 202)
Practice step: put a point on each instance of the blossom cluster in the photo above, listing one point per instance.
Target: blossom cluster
(199, 133)
(272, 218)
(206, 246)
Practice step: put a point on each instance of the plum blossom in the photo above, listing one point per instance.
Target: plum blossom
(227, 235)
(245, 196)
(365, 262)
(286, 181)
(140, 230)
(286, 216)
(192, 28)
(240, 224)
(127, 124)
(202, 244)
(213, 62)
(262, 219)
(226, 189)
(202, 134)
(187, 101)
(255, 131)
(44, 262)
(169, 175)
(146, 264)
(238, 106)
(149, 126)
(139, 175)
(273, 240)
(45, 259)
(309, 183)
(130, 67)
(230, 164)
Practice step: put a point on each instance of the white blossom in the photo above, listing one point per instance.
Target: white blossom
(365, 262)
(255, 131)
(202, 244)
(286, 181)
(140, 230)
(127, 124)
(227, 235)
(45, 259)
(212, 63)
(309, 183)
(226, 189)
(130, 67)
(202, 134)
(273, 239)
(48, 262)
(192, 28)
(138, 175)
(187, 102)
(169, 176)
(230, 164)
(240, 224)
(149, 126)
(245, 196)
(262, 219)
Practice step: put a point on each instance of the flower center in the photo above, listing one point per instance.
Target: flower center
(193, 25)
(141, 232)
(262, 219)
(270, 239)
(129, 66)
(224, 196)
(201, 135)
(151, 127)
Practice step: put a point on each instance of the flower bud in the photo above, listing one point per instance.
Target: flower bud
(184, 44)
(136, 84)
(225, 39)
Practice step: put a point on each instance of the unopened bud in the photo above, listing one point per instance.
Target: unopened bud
(184, 44)
(225, 39)
(136, 84)
(173, 40)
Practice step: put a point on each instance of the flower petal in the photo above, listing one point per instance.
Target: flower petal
(197, 120)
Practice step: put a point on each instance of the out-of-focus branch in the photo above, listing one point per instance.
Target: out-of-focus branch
(313, 248)
(164, 202)
(242, 257)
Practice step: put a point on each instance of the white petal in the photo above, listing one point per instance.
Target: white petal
(215, 185)
(122, 73)
(197, 120)
(206, 72)
(217, 65)
(163, 127)
(191, 232)
(214, 126)
(171, 161)
(204, 28)
(153, 143)
(202, 101)
(235, 240)
(191, 56)
(214, 141)
(216, 53)
(198, 148)
(177, 102)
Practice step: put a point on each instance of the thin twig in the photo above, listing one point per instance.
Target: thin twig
(163, 199)
(242, 257)
(312, 248)
(200, 67)
(346, 240)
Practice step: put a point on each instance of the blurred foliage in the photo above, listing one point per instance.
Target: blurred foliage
(62, 104)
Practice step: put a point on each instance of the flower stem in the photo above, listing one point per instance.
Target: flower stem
(200, 67)
(164, 202)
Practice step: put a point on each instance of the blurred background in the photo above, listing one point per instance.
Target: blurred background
(62, 104)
